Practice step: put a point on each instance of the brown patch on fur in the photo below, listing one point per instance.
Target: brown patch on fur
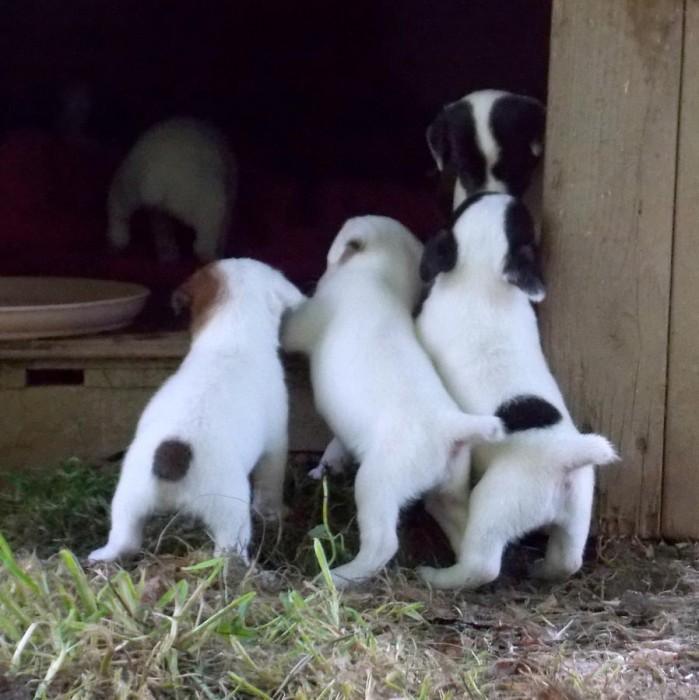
(172, 459)
(200, 294)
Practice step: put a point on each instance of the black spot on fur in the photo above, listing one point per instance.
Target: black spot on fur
(439, 255)
(522, 264)
(517, 123)
(526, 413)
(171, 460)
(452, 137)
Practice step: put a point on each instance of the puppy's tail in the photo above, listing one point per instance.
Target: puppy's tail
(580, 450)
(171, 460)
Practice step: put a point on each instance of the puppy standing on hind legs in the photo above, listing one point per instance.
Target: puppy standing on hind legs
(376, 387)
(221, 416)
(480, 330)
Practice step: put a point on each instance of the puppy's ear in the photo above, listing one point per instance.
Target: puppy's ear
(285, 295)
(438, 141)
(341, 253)
(522, 262)
(439, 255)
(200, 294)
(523, 269)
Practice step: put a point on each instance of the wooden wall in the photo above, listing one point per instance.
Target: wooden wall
(681, 483)
(621, 323)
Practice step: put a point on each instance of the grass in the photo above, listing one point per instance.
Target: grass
(176, 623)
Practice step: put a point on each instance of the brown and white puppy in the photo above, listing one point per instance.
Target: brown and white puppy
(221, 416)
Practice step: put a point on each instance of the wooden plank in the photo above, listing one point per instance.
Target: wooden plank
(43, 426)
(608, 221)
(106, 345)
(134, 376)
(681, 483)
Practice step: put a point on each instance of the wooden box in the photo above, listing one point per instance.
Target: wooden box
(82, 396)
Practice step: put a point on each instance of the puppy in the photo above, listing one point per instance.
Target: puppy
(374, 384)
(479, 328)
(492, 141)
(179, 179)
(222, 415)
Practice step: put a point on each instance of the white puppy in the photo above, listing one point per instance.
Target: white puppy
(489, 140)
(183, 168)
(480, 330)
(492, 141)
(223, 414)
(375, 385)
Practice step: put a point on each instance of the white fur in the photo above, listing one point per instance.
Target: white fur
(375, 385)
(481, 102)
(481, 333)
(334, 460)
(229, 402)
(185, 168)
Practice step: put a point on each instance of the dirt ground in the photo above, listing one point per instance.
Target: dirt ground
(627, 626)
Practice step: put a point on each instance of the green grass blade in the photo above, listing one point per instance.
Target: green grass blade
(82, 585)
(7, 558)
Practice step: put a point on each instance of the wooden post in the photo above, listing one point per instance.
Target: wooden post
(609, 195)
(681, 483)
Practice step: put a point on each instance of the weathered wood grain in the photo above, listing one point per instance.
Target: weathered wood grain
(608, 200)
(681, 483)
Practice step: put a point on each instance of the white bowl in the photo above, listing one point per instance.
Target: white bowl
(42, 307)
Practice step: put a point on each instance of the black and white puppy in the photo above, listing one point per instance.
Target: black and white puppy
(490, 141)
(479, 328)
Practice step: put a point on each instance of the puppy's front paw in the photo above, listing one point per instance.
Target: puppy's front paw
(493, 429)
(317, 473)
(334, 461)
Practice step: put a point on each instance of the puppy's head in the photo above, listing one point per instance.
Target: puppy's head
(492, 238)
(489, 140)
(240, 285)
(381, 247)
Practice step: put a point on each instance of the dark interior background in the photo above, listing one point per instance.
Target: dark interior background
(326, 104)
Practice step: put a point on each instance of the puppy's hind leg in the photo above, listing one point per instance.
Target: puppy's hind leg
(568, 534)
(507, 502)
(448, 503)
(131, 506)
(268, 483)
(225, 509)
(378, 497)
